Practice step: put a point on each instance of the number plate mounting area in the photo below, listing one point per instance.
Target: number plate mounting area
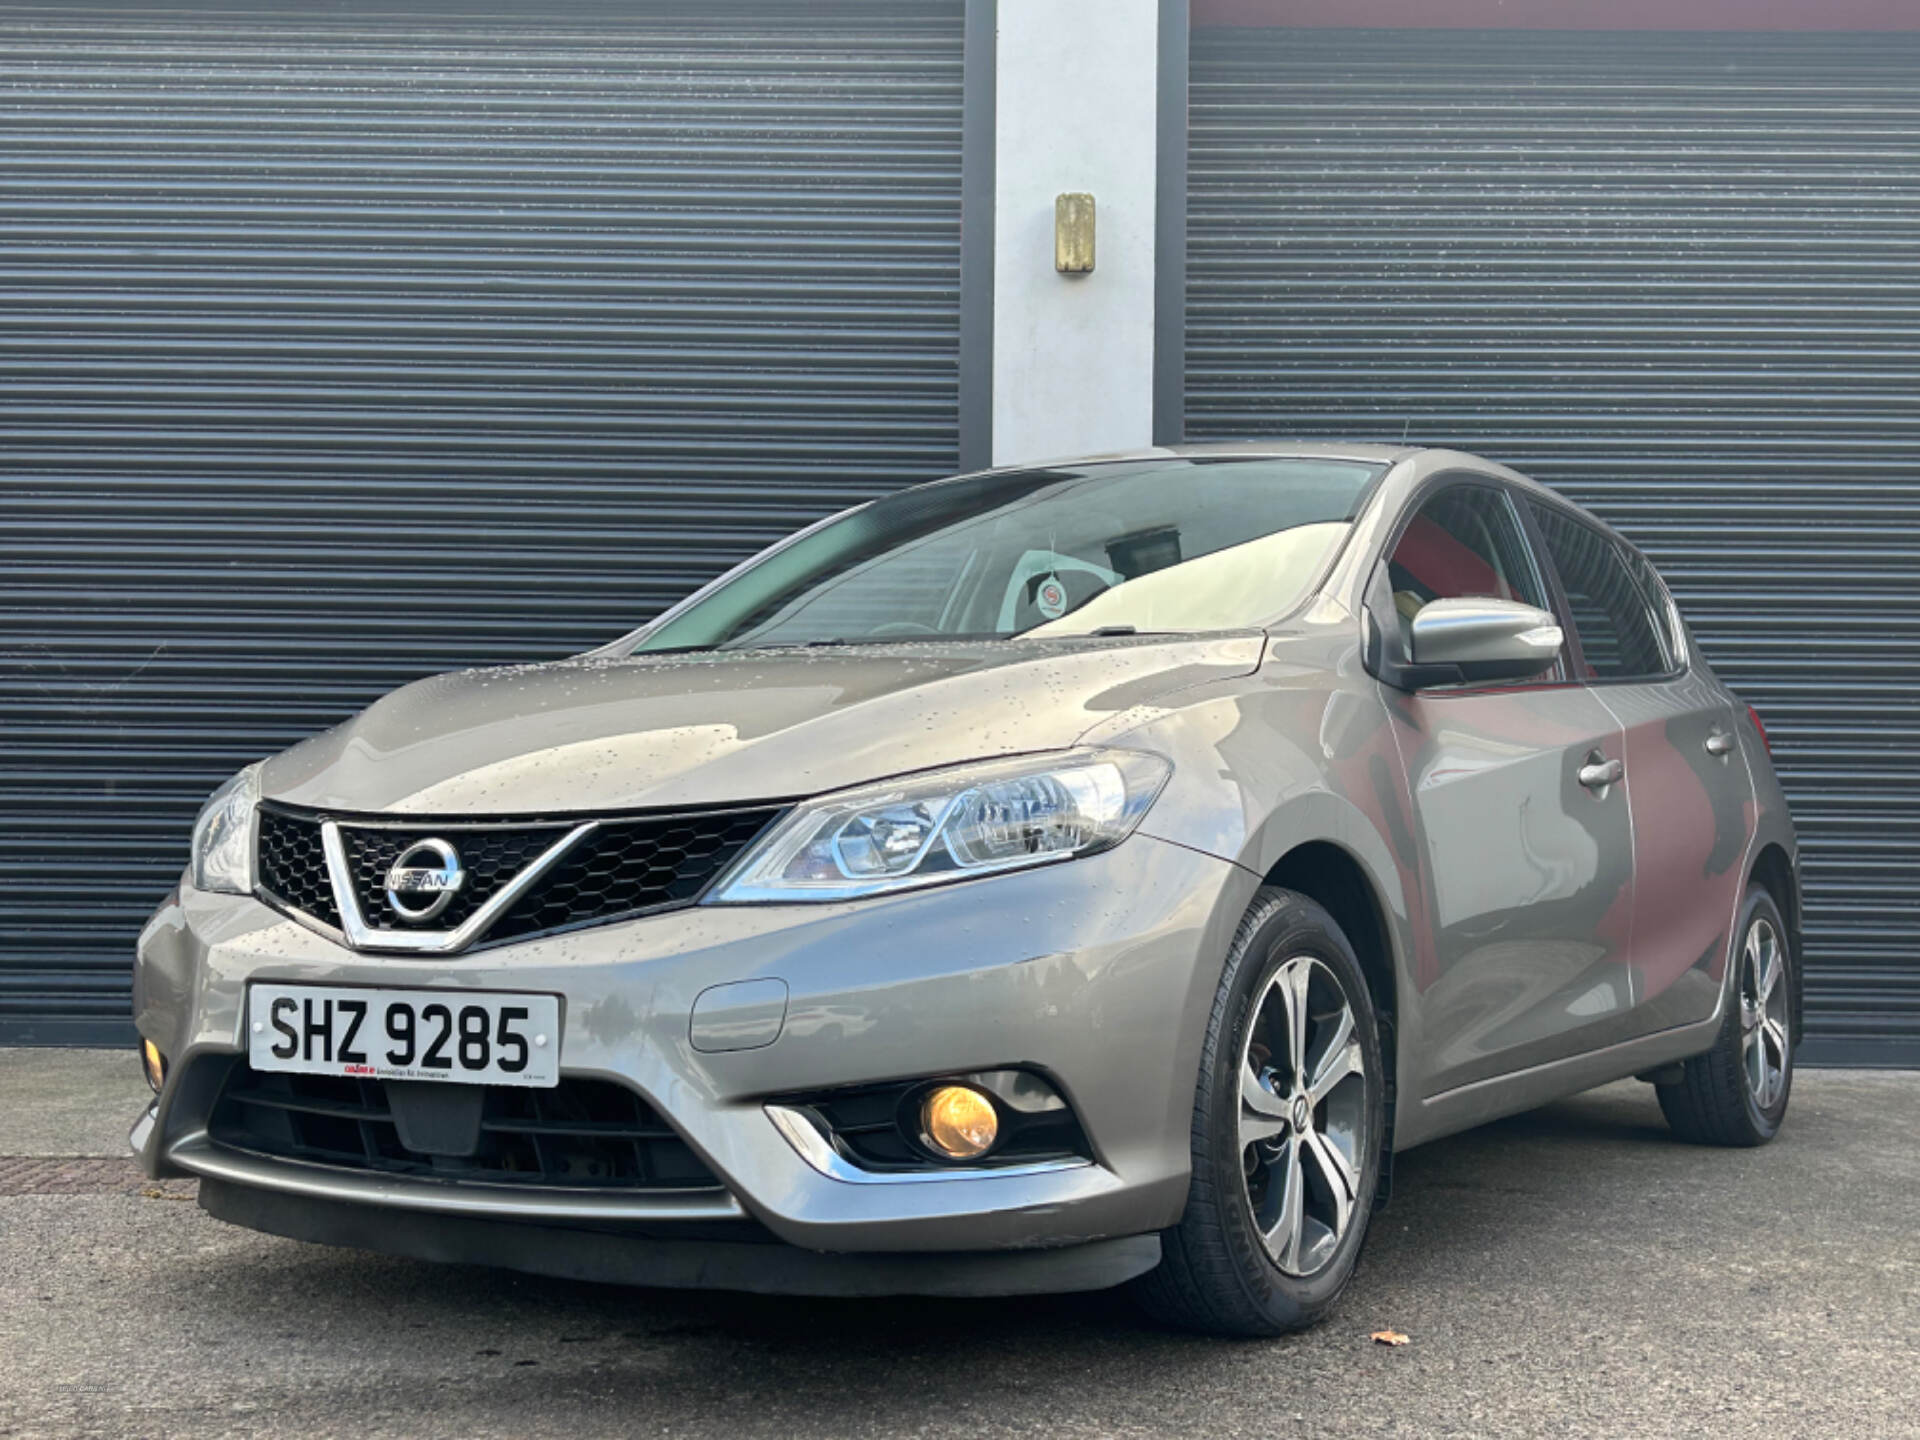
(435, 1118)
(457, 1037)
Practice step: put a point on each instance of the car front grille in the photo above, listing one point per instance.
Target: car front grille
(491, 859)
(627, 865)
(581, 1134)
(292, 866)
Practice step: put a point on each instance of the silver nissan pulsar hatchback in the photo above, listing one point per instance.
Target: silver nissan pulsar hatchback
(1037, 880)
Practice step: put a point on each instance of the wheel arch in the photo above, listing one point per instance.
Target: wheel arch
(1773, 871)
(1331, 876)
(1334, 878)
(1321, 837)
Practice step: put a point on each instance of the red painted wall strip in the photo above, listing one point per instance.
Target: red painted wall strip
(1564, 14)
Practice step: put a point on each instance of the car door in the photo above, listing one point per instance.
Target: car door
(1687, 785)
(1525, 871)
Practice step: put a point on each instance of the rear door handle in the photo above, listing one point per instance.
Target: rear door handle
(1720, 742)
(1601, 774)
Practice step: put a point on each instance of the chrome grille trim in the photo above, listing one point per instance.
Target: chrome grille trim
(362, 936)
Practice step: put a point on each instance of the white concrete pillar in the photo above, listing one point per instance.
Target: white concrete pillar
(1076, 84)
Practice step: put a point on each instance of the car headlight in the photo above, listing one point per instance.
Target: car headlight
(223, 836)
(943, 825)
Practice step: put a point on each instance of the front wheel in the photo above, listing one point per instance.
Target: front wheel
(1288, 1121)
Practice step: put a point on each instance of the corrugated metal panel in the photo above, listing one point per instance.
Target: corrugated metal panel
(1677, 276)
(337, 348)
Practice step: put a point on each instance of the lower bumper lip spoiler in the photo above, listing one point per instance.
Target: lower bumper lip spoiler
(198, 1155)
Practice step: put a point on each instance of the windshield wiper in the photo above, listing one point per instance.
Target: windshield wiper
(837, 642)
(779, 645)
(851, 641)
(1102, 632)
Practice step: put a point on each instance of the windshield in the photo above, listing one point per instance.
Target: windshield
(1206, 543)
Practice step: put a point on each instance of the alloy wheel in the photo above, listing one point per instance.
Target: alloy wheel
(1303, 1115)
(1763, 1014)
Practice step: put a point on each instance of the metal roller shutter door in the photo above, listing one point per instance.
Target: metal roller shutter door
(1677, 276)
(343, 345)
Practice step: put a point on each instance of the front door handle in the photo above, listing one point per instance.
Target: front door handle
(1600, 774)
(1720, 742)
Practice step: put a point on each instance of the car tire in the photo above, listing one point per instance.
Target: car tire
(1736, 1094)
(1270, 1235)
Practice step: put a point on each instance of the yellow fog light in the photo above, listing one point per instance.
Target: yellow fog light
(154, 1063)
(959, 1122)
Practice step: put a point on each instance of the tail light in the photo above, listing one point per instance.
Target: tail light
(1754, 715)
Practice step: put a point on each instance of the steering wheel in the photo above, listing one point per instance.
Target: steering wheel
(903, 627)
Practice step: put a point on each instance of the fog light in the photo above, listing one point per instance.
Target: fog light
(154, 1063)
(959, 1122)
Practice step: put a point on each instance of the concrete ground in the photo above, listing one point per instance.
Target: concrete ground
(1569, 1272)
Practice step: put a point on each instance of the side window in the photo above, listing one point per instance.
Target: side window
(1666, 619)
(1620, 617)
(1465, 541)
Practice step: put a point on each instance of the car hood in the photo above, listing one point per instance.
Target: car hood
(596, 734)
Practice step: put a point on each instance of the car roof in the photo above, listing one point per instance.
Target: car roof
(1243, 449)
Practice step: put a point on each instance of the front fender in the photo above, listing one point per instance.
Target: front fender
(1284, 759)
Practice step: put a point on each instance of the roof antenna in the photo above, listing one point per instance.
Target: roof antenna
(1405, 428)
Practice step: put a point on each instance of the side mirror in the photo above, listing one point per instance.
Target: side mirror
(1476, 641)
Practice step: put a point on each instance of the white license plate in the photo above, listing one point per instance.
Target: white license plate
(478, 1037)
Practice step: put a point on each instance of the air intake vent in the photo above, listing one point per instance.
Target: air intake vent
(582, 1134)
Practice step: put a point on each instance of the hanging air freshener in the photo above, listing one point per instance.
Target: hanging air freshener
(1051, 597)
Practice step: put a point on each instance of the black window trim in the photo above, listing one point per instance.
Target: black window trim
(1677, 638)
(1623, 548)
(1576, 653)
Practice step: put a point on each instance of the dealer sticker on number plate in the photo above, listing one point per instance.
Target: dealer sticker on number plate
(481, 1038)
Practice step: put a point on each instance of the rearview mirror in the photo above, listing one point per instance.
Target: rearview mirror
(1476, 641)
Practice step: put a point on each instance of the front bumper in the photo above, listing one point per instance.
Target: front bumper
(679, 1261)
(1097, 972)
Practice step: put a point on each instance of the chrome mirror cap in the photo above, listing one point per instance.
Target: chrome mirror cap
(1486, 639)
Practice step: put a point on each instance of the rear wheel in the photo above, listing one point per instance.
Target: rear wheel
(1287, 1127)
(1736, 1093)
